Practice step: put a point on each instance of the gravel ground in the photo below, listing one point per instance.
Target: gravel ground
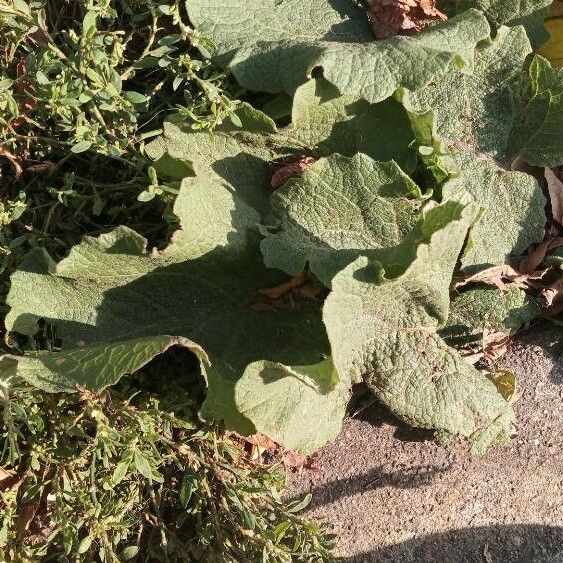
(393, 494)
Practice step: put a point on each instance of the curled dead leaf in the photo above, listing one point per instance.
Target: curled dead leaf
(552, 298)
(13, 161)
(471, 356)
(498, 276)
(555, 188)
(401, 17)
(285, 287)
(536, 256)
(298, 463)
(495, 343)
(291, 169)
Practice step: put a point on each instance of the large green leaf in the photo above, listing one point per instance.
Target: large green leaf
(476, 111)
(274, 46)
(294, 393)
(322, 123)
(384, 330)
(486, 307)
(529, 13)
(512, 209)
(471, 117)
(110, 302)
(489, 112)
(339, 209)
(538, 135)
(325, 122)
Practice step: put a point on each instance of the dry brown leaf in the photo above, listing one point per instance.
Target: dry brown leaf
(311, 291)
(285, 287)
(401, 17)
(41, 168)
(495, 343)
(499, 276)
(10, 480)
(262, 441)
(27, 513)
(536, 256)
(471, 356)
(298, 463)
(291, 170)
(555, 188)
(13, 161)
(552, 298)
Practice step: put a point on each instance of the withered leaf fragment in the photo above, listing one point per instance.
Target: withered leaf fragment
(291, 170)
(402, 17)
(555, 187)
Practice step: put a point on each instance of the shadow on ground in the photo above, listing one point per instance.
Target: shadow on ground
(492, 544)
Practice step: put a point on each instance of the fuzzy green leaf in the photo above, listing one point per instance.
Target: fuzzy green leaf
(293, 394)
(538, 135)
(385, 330)
(325, 122)
(110, 301)
(274, 46)
(529, 13)
(322, 123)
(476, 111)
(339, 209)
(487, 307)
(512, 208)
(487, 112)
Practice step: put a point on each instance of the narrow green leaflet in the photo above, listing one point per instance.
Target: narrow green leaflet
(487, 307)
(110, 303)
(339, 209)
(476, 111)
(538, 135)
(512, 206)
(384, 330)
(293, 394)
(273, 45)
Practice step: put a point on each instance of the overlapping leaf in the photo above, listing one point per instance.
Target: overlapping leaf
(529, 13)
(538, 135)
(384, 329)
(474, 117)
(489, 111)
(325, 122)
(301, 407)
(485, 307)
(512, 215)
(476, 111)
(339, 209)
(113, 305)
(274, 46)
(322, 123)
(358, 221)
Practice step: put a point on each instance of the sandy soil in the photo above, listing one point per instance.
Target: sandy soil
(393, 494)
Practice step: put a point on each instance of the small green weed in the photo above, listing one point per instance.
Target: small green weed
(132, 475)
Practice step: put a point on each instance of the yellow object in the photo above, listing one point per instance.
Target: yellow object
(553, 49)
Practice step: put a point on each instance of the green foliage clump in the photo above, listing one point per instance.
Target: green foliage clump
(133, 475)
